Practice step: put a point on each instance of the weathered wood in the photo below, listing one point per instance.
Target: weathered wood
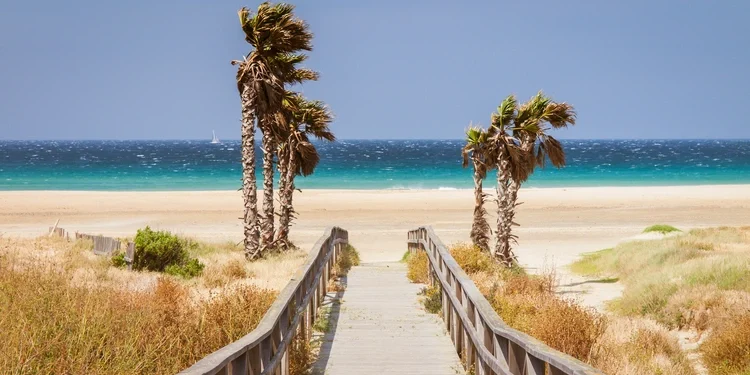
(266, 346)
(130, 255)
(477, 330)
(54, 228)
(381, 328)
(59, 232)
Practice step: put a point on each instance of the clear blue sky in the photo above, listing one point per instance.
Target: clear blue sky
(93, 69)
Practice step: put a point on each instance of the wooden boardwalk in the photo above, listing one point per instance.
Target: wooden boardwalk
(379, 327)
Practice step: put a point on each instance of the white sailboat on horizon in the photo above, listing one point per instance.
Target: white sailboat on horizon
(214, 140)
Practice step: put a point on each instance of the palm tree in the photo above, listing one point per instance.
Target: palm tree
(248, 85)
(524, 132)
(477, 149)
(531, 131)
(512, 165)
(297, 155)
(277, 36)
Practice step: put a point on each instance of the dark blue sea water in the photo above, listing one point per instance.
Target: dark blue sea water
(412, 164)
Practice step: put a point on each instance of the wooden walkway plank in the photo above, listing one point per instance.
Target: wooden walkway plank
(380, 327)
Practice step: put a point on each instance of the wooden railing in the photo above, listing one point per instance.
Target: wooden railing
(483, 341)
(264, 350)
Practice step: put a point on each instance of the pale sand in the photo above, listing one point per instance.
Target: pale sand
(557, 224)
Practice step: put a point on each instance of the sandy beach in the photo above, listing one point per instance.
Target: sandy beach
(557, 224)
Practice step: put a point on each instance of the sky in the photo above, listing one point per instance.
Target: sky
(100, 69)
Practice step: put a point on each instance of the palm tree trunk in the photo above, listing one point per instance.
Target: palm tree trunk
(505, 213)
(267, 220)
(249, 183)
(286, 195)
(479, 227)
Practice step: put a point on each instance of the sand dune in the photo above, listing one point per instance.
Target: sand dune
(557, 224)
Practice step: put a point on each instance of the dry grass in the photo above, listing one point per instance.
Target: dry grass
(727, 350)
(699, 281)
(51, 326)
(638, 346)
(348, 258)
(65, 310)
(432, 299)
(528, 303)
(417, 267)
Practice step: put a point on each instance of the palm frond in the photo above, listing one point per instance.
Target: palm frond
(273, 29)
(559, 115)
(308, 158)
(506, 112)
(553, 150)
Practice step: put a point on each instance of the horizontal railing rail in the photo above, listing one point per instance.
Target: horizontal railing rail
(483, 341)
(264, 350)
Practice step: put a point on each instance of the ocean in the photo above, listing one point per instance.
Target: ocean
(362, 164)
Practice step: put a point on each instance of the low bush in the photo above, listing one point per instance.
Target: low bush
(161, 251)
(418, 267)
(301, 356)
(323, 322)
(661, 228)
(348, 258)
(190, 268)
(118, 260)
(432, 300)
(472, 259)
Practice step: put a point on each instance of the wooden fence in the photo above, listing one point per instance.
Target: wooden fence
(264, 350)
(102, 245)
(483, 341)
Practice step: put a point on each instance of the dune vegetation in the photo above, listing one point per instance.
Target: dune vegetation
(696, 282)
(65, 310)
(528, 303)
(661, 228)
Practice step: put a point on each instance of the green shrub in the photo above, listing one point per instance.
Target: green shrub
(155, 250)
(191, 268)
(162, 251)
(661, 228)
(118, 260)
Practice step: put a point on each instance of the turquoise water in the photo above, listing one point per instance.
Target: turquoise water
(407, 164)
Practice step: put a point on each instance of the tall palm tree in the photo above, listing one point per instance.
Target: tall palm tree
(249, 80)
(512, 165)
(276, 36)
(477, 149)
(297, 154)
(525, 130)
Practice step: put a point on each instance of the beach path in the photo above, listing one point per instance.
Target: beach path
(378, 326)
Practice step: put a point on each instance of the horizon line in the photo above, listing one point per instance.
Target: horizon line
(363, 139)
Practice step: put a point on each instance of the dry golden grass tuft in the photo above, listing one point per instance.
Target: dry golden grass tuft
(727, 350)
(417, 267)
(65, 310)
(50, 325)
(348, 258)
(638, 346)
